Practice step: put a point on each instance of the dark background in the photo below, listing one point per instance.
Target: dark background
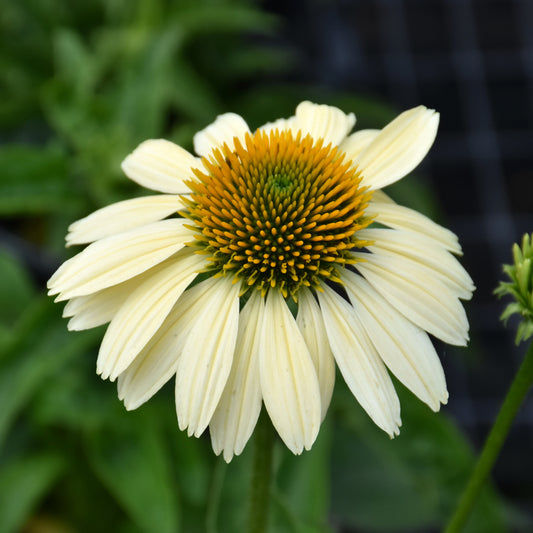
(473, 62)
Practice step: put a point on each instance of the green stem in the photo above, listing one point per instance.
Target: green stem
(261, 476)
(517, 392)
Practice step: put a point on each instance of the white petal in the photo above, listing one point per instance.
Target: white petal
(122, 216)
(144, 311)
(355, 143)
(400, 217)
(240, 404)
(225, 128)
(421, 297)
(311, 324)
(115, 259)
(399, 148)
(281, 124)
(288, 378)
(205, 362)
(405, 348)
(160, 165)
(100, 307)
(158, 360)
(379, 196)
(359, 363)
(425, 252)
(323, 122)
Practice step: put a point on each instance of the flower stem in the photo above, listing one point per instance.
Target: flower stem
(517, 392)
(261, 476)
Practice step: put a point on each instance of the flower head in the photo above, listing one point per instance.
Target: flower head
(271, 257)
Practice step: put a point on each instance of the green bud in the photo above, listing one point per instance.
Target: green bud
(520, 288)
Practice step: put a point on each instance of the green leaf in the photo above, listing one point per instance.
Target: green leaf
(33, 180)
(16, 288)
(23, 483)
(132, 461)
(142, 104)
(215, 18)
(192, 95)
(40, 345)
(78, 400)
(409, 483)
(74, 63)
(301, 499)
(229, 497)
(193, 458)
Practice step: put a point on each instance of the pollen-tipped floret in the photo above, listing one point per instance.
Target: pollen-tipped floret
(279, 211)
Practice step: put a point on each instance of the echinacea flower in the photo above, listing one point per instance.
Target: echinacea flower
(267, 259)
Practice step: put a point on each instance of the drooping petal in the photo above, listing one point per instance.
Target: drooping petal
(311, 324)
(323, 122)
(417, 294)
(399, 147)
(425, 252)
(240, 404)
(158, 360)
(282, 124)
(225, 128)
(399, 217)
(100, 307)
(207, 356)
(378, 196)
(160, 165)
(144, 311)
(115, 259)
(288, 378)
(122, 216)
(359, 363)
(404, 347)
(355, 143)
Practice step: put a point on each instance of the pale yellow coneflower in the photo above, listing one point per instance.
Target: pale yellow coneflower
(303, 262)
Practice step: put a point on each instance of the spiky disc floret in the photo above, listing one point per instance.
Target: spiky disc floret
(279, 211)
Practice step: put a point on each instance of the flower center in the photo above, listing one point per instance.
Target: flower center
(280, 211)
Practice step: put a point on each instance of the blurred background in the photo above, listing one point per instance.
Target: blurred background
(82, 83)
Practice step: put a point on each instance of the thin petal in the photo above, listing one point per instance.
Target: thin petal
(421, 297)
(207, 356)
(160, 165)
(405, 348)
(240, 404)
(281, 124)
(379, 196)
(288, 378)
(399, 148)
(100, 307)
(425, 252)
(157, 362)
(223, 131)
(122, 216)
(115, 259)
(396, 216)
(311, 324)
(359, 363)
(143, 312)
(323, 122)
(355, 143)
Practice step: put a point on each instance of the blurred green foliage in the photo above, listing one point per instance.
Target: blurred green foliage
(82, 84)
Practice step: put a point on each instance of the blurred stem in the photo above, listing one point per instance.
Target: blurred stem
(213, 502)
(517, 392)
(261, 475)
